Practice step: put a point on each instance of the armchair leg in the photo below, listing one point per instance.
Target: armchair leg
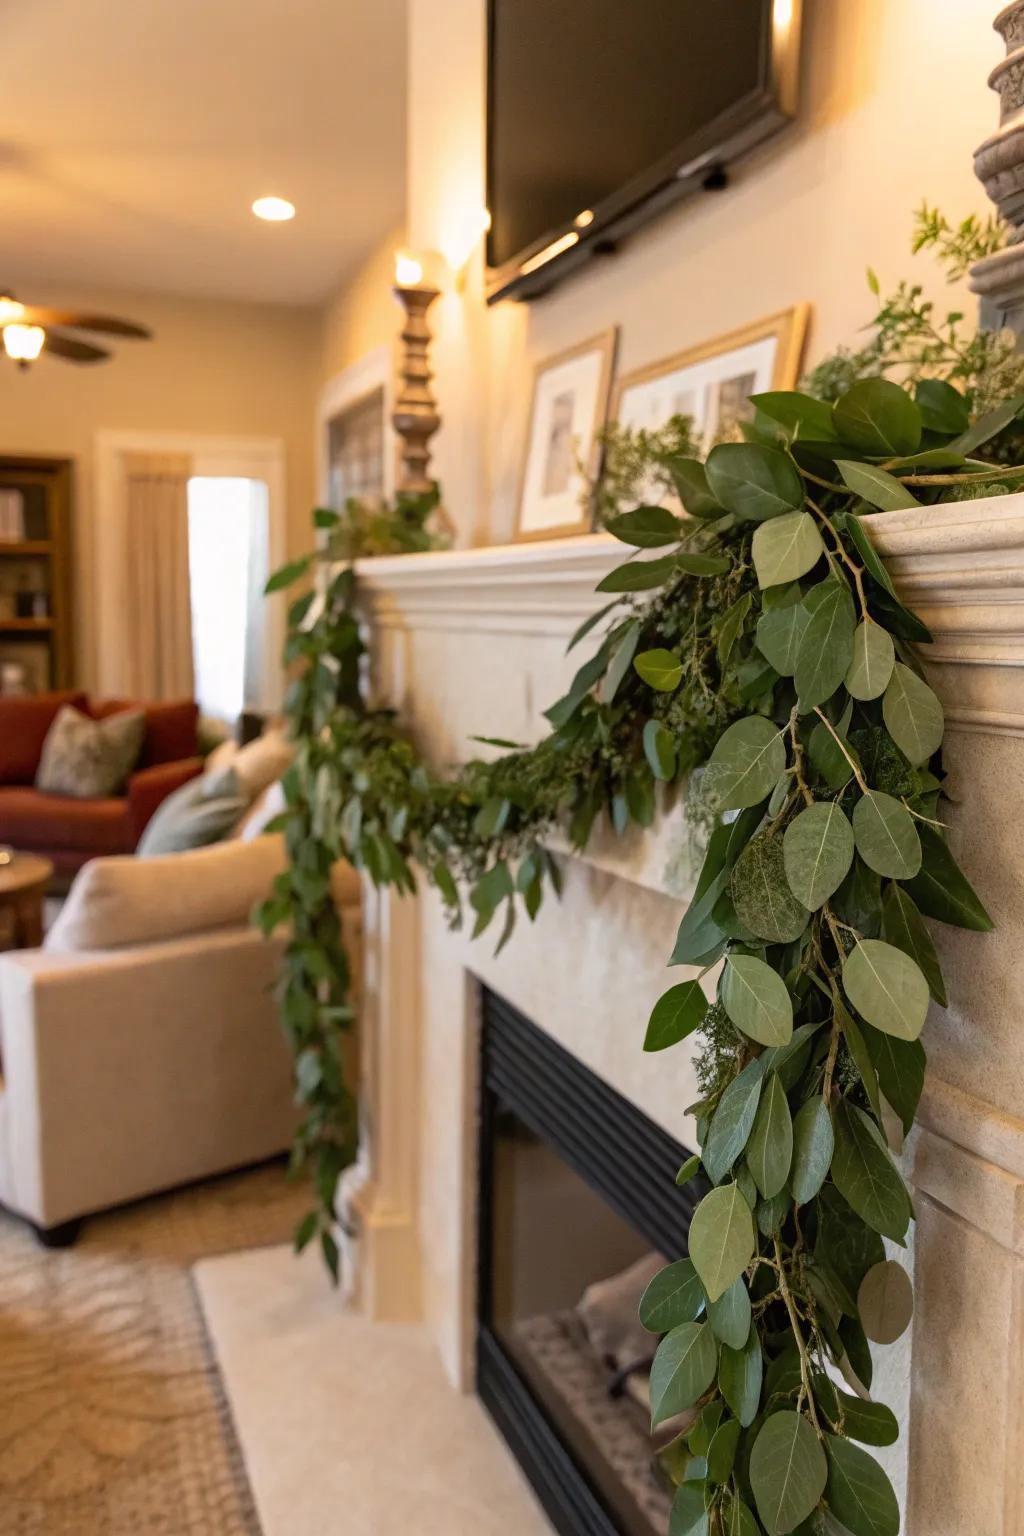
(63, 1236)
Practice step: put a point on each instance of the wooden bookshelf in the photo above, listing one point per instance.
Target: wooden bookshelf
(38, 566)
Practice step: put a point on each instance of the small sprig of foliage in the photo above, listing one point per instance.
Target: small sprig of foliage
(636, 465)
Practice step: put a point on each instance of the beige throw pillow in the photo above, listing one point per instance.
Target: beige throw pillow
(260, 762)
(125, 899)
(90, 759)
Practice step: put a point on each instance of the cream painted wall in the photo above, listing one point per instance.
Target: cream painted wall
(216, 368)
(894, 103)
(363, 314)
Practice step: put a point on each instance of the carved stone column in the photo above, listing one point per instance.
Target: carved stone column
(999, 163)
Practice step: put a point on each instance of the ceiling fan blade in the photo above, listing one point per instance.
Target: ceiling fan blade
(38, 315)
(74, 351)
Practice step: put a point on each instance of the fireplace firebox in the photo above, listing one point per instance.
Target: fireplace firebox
(578, 1208)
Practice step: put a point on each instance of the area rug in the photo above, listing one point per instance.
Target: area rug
(113, 1418)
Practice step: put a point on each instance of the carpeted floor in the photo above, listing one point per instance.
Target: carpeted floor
(113, 1418)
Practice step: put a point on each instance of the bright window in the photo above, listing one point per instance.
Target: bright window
(227, 549)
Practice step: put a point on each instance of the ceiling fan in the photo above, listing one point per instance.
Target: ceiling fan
(28, 328)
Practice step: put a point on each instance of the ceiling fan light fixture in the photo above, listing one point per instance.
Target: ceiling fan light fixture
(23, 343)
(274, 210)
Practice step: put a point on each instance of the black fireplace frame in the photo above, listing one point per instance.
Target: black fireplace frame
(589, 1125)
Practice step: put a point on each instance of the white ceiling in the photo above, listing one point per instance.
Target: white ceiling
(134, 134)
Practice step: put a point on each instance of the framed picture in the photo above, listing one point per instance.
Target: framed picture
(569, 408)
(712, 383)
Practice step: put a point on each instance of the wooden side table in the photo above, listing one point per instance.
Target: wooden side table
(23, 884)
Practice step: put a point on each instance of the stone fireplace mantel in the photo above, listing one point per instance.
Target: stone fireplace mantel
(468, 642)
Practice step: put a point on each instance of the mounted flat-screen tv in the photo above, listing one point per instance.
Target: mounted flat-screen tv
(603, 112)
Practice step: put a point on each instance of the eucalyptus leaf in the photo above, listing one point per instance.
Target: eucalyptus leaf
(721, 1242)
(818, 849)
(675, 1296)
(886, 836)
(943, 408)
(729, 1316)
(769, 1151)
(646, 527)
(858, 1491)
(942, 890)
(878, 417)
(683, 1368)
(619, 664)
(865, 1175)
(900, 1065)
(588, 624)
(761, 894)
(874, 656)
(887, 988)
(740, 1373)
(801, 415)
(660, 750)
(826, 646)
(753, 481)
(639, 575)
(912, 714)
(876, 486)
(722, 1451)
(757, 1001)
(779, 633)
(903, 925)
(688, 1516)
(748, 758)
(676, 1014)
(813, 1144)
(659, 669)
(885, 1302)
(692, 488)
(732, 1122)
(785, 548)
(788, 1472)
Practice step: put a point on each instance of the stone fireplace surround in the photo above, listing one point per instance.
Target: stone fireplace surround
(468, 642)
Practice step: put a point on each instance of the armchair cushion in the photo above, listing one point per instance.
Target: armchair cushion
(172, 729)
(150, 787)
(31, 820)
(120, 901)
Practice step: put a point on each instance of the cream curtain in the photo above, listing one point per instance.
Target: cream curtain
(158, 612)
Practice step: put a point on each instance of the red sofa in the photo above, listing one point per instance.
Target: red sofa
(70, 831)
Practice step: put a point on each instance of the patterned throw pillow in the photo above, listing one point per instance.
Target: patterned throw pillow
(90, 759)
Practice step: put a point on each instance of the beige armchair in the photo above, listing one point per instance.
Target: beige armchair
(141, 1046)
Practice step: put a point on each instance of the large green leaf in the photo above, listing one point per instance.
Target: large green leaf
(858, 1492)
(639, 575)
(785, 548)
(562, 711)
(732, 1122)
(740, 1373)
(876, 486)
(675, 1296)
(826, 646)
(683, 1369)
(646, 527)
(870, 1423)
(729, 1316)
(912, 714)
(865, 1174)
(886, 836)
(779, 632)
(788, 1472)
(942, 890)
(659, 669)
(753, 481)
(903, 925)
(746, 761)
(721, 1241)
(770, 1148)
(874, 656)
(879, 418)
(757, 1001)
(885, 1302)
(887, 988)
(813, 1143)
(676, 1014)
(688, 1516)
(818, 849)
(943, 408)
(722, 1452)
(801, 415)
(761, 894)
(691, 483)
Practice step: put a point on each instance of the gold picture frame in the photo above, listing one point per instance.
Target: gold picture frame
(712, 380)
(568, 408)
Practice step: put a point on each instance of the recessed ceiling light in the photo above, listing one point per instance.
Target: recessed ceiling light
(276, 210)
